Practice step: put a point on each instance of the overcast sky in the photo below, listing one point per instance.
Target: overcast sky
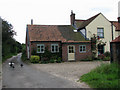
(53, 12)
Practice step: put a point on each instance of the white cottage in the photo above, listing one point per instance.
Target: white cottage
(98, 25)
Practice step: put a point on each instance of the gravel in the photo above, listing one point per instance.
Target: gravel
(69, 70)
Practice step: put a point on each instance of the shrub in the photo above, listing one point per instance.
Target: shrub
(106, 58)
(52, 61)
(24, 56)
(34, 59)
(107, 54)
(101, 56)
(89, 58)
(44, 62)
(59, 60)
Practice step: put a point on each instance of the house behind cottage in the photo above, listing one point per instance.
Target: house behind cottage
(115, 44)
(73, 45)
(98, 25)
(115, 50)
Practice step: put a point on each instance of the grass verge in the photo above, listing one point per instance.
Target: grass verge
(104, 76)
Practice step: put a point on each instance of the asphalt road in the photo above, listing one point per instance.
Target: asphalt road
(30, 77)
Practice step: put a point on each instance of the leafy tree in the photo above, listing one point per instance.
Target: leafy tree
(9, 44)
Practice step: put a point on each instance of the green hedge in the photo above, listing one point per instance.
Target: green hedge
(34, 59)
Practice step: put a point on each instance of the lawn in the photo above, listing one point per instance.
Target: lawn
(104, 76)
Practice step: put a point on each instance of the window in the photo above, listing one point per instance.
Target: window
(71, 49)
(40, 48)
(54, 48)
(82, 48)
(100, 32)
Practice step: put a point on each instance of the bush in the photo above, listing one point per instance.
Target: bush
(59, 60)
(106, 58)
(89, 58)
(44, 62)
(107, 54)
(34, 59)
(24, 56)
(101, 56)
(52, 61)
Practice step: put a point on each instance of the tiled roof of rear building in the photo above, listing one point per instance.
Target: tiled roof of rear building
(116, 39)
(117, 25)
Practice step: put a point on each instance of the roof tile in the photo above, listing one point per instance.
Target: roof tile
(62, 33)
(116, 39)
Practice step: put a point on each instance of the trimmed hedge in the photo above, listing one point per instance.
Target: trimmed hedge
(34, 59)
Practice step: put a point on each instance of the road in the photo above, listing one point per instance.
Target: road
(30, 77)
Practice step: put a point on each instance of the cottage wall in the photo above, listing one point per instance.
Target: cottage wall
(78, 55)
(47, 44)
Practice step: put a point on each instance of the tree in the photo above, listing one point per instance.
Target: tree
(9, 44)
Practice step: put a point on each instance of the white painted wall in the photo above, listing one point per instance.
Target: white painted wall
(101, 22)
(83, 31)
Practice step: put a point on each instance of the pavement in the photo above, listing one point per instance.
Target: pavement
(30, 77)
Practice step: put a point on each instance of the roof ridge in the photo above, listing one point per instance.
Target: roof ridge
(94, 16)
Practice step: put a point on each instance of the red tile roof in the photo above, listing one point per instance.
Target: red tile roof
(116, 39)
(63, 33)
(44, 33)
(117, 25)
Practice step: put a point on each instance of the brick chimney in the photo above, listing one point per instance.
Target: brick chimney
(119, 12)
(72, 18)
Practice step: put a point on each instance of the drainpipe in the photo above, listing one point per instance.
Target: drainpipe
(112, 29)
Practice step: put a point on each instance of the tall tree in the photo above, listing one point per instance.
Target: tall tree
(8, 42)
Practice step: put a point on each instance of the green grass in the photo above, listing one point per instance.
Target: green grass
(104, 76)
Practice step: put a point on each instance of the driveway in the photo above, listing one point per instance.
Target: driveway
(30, 77)
(69, 70)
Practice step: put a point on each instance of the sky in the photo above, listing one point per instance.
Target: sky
(53, 12)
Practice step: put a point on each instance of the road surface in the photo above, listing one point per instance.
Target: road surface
(30, 77)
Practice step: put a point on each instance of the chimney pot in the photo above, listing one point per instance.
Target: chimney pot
(72, 18)
(31, 21)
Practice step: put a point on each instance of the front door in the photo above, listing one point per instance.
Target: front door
(71, 52)
(100, 49)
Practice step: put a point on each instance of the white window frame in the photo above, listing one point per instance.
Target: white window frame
(82, 48)
(99, 32)
(41, 48)
(54, 48)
